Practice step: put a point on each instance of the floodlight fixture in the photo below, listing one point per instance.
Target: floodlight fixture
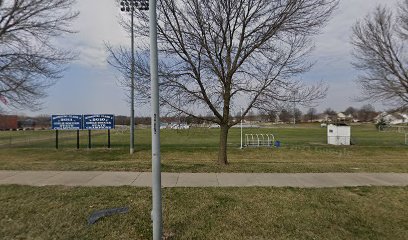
(132, 5)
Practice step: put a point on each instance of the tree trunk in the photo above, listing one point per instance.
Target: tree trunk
(222, 154)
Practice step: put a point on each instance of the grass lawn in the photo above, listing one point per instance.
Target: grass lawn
(206, 213)
(304, 149)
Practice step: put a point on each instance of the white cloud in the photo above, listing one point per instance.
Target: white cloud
(96, 24)
(333, 52)
(335, 38)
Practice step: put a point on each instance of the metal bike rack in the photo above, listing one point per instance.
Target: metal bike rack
(259, 140)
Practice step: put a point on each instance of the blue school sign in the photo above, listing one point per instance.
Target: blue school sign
(99, 121)
(66, 122)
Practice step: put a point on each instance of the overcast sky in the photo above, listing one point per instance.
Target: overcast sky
(90, 86)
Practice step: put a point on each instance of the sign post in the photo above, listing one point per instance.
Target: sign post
(66, 122)
(77, 139)
(56, 139)
(99, 122)
(89, 139)
(109, 142)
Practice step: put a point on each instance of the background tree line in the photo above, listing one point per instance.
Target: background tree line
(366, 113)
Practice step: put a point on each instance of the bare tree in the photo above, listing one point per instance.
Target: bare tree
(367, 113)
(285, 116)
(311, 114)
(351, 111)
(270, 115)
(29, 61)
(120, 58)
(380, 52)
(403, 19)
(331, 114)
(216, 54)
(297, 114)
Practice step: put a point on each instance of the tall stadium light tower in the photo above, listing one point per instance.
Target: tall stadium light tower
(294, 107)
(131, 6)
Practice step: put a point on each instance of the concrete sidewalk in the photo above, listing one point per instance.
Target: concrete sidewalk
(143, 179)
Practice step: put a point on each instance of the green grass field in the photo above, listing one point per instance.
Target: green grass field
(206, 213)
(304, 149)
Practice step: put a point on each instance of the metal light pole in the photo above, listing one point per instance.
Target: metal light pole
(241, 128)
(131, 6)
(294, 107)
(156, 165)
(132, 88)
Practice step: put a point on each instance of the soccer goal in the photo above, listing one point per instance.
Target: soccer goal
(259, 140)
(402, 129)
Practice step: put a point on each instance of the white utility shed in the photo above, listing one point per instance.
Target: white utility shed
(338, 134)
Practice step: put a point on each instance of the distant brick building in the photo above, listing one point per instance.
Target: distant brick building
(8, 122)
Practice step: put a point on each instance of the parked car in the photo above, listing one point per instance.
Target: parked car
(180, 126)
